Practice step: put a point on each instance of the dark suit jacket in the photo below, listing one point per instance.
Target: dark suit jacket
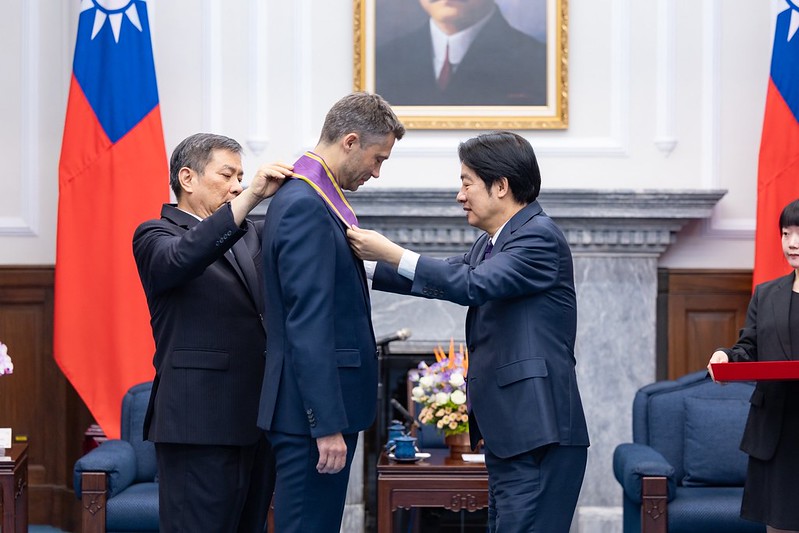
(765, 337)
(503, 66)
(520, 330)
(321, 364)
(206, 318)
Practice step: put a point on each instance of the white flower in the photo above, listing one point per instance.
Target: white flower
(442, 398)
(458, 397)
(426, 381)
(418, 393)
(6, 366)
(456, 379)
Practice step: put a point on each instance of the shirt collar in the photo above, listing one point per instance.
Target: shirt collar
(495, 236)
(459, 43)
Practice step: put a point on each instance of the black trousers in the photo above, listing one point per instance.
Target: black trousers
(214, 488)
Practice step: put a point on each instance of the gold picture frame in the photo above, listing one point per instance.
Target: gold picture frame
(502, 92)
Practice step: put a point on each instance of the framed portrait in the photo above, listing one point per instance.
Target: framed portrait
(465, 64)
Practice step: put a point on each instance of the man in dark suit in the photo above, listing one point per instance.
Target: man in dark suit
(320, 384)
(518, 282)
(467, 54)
(200, 268)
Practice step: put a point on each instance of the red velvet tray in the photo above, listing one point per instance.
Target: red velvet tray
(757, 371)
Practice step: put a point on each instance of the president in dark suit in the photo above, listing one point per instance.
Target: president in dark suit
(320, 383)
(771, 435)
(518, 282)
(467, 54)
(200, 268)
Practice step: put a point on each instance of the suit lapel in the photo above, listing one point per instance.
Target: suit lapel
(358, 263)
(480, 248)
(780, 308)
(187, 221)
(245, 266)
(516, 221)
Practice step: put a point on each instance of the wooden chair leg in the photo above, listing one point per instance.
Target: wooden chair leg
(654, 501)
(93, 499)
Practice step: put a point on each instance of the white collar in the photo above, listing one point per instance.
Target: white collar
(459, 43)
(495, 236)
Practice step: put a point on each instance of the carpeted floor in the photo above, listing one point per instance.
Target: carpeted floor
(43, 529)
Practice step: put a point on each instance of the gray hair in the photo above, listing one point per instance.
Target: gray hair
(368, 115)
(194, 152)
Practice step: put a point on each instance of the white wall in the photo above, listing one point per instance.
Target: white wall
(645, 76)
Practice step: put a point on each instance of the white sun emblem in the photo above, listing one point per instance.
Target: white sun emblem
(794, 7)
(113, 11)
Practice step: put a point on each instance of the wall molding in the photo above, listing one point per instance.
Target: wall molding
(27, 223)
(212, 65)
(595, 222)
(665, 136)
(303, 69)
(711, 86)
(257, 138)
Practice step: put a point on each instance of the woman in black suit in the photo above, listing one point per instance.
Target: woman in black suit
(771, 437)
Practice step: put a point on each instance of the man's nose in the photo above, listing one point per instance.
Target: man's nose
(461, 197)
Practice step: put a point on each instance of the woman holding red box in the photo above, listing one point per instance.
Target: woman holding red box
(771, 437)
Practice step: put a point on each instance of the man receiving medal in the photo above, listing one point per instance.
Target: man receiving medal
(320, 381)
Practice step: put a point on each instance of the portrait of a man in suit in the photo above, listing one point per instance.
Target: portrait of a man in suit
(461, 53)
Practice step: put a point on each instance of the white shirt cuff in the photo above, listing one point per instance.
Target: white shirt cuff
(407, 264)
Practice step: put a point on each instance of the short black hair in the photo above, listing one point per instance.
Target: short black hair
(790, 215)
(194, 152)
(503, 154)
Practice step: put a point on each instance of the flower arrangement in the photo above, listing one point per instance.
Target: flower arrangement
(441, 389)
(6, 366)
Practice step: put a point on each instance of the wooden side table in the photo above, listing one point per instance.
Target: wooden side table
(434, 482)
(14, 489)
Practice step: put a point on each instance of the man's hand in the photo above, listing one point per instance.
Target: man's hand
(269, 178)
(717, 357)
(332, 454)
(264, 184)
(372, 246)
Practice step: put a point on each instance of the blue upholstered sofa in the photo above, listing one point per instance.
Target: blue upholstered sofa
(116, 481)
(684, 472)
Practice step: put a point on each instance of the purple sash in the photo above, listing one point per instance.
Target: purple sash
(313, 170)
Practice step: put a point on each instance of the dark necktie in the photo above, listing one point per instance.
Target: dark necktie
(446, 71)
(487, 251)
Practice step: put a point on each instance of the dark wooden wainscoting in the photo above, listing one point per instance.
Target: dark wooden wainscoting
(36, 400)
(698, 311)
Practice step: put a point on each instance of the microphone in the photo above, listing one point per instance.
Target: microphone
(399, 335)
(404, 412)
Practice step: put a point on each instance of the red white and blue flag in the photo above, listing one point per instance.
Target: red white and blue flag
(113, 175)
(778, 167)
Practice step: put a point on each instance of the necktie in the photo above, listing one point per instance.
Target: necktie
(446, 71)
(487, 251)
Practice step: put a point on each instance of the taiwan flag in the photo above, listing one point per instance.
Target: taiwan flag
(112, 176)
(778, 167)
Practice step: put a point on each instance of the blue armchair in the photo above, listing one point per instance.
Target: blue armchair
(684, 472)
(116, 482)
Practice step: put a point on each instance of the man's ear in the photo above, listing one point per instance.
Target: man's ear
(350, 140)
(501, 187)
(186, 179)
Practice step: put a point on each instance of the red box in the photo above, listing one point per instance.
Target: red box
(757, 371)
